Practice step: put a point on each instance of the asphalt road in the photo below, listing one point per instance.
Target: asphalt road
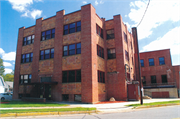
(169, 112)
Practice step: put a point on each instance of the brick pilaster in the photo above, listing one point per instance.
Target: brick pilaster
(88, 55)
(121, 82)
(36, 51)
(58, 46)
(18, 63)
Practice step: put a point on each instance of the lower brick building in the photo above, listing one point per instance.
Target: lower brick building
(160, 79)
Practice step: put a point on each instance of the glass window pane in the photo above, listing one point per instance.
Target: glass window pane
(43, 33)
(27, 55)
(52, 53)
(31, 54)
(71, 76)
(79, 23)
(78, 75)
(53, 30)
(79, 45)
(65, 53)
(30, 76)
(33, 36)
(48, 32)
(71, 47)
(25, 76)
(65, 48)
(64, 79)
(21, 76)
(72, 25)
(42, 52)
(65, 27)
(47, 54)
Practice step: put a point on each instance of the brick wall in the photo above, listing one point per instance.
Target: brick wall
(47, 44)
(26, 68)
(27, 49)
(46, 66)
(72, 38)
(29, 31)
(176, 70)
(72, 17)
(71, 88)
(101, 92)
(71, 62)
(48, 23)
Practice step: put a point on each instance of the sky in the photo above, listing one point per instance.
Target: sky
(159, 29)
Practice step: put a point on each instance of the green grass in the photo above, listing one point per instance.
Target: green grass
(29, 104)
(155, 103)
(46, 110)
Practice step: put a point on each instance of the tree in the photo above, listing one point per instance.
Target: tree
(8, 77)
(1, 67)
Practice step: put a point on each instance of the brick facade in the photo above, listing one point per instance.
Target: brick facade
(51, 70)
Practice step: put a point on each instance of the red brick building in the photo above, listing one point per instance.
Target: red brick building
(159, 77)
(75, 57)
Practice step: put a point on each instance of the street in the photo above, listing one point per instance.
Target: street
(169, 112)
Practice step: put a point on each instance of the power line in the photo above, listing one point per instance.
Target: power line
(144, 13)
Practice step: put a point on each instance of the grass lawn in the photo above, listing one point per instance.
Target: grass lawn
(46, 110)
(156, 103)
(29, 104)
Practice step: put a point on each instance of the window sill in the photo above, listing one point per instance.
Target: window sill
(111, 59)
(110, 39)
(71, 82)
(28, 44)
(70, 55)
(47, 39)
(26, 62)
(46, 59)
(71, 33)
(100, 57)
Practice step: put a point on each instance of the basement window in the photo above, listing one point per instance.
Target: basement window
(153, 79)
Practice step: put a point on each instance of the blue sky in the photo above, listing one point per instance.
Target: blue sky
(160, 28)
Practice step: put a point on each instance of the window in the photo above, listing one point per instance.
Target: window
(99, 31)
(110, 34)
(71, 28)
(142, 62)
(127, 55)
(164, 78)
(153, 79)
(45, 35)
(27, 58)
(25, 78)
(101, 76)
(143, 78)
(28, 40)
(151, 62)
(111, 53)
(125, 37)
(65, 97)
(161, 61)
(47, 54)
(71, 76)
(100, 51)
(72, 49)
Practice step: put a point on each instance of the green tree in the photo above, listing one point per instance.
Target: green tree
(1, 67)
(8, 77)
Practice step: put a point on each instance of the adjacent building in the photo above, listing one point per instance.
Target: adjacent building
(76, 57)
(160, 79)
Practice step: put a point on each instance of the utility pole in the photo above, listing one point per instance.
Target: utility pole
(137, 60)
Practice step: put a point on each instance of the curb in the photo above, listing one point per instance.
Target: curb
(151, 106)
(46, 113)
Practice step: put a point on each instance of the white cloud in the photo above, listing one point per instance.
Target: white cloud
(36, 13)
(157, 13)
(20, 5)
(169, 40)
(84, 2)
(96, 2)
(8, 70)
(24, 6)
(7, 64)
(7, 56)
(38, 0)
(100, 2)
